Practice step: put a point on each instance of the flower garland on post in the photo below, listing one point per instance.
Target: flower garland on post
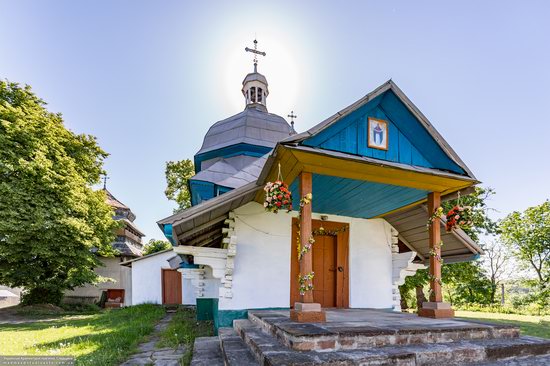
(436, 250)
(305, 282)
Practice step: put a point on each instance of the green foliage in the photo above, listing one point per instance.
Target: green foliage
(466, 283)
(482, 223)
(183, 329)
(177, 182)
(154, 246)
(527, 234)
(105, 338)
(50, 218)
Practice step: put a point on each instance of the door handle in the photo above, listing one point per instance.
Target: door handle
(340, 269)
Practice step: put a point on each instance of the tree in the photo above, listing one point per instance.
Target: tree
(51, 220)
(154, 246)
(527, 234)
(177, 182)
(495, 261)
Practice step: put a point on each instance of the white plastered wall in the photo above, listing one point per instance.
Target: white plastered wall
(261, 277)
(147, 281)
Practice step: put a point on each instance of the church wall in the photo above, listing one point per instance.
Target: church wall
(261, 277)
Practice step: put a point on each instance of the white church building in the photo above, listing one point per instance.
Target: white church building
(374, 171)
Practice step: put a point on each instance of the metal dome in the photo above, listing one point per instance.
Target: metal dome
(251, 126)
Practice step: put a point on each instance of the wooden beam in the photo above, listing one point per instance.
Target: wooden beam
(406, 242)
(202, 227)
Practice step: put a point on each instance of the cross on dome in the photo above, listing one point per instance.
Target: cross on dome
(255, 89)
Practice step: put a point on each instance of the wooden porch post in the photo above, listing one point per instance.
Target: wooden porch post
(436, 308)
(306, 311)
(306, 263)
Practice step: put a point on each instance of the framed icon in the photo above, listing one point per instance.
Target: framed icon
(377, 134)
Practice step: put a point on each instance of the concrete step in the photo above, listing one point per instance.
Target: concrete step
(520, 361)
(234, 350)
(269, 350)
(346, 335)
(207, 352)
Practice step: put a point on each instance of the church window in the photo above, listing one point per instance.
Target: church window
(260, 93)
(253, 94)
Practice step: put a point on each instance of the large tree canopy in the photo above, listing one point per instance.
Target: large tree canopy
(528, 235)
(51, 221)
(177, 182)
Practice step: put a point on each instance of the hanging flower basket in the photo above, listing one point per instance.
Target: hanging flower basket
(277, 197)
(459, 217)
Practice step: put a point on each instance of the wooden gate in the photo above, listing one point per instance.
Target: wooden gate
(171, 286)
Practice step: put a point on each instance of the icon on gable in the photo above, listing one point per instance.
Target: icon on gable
(378, 134)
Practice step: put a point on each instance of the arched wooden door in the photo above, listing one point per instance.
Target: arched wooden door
(330, 264)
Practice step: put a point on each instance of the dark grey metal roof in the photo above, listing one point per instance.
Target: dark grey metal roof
(216, 173)
(251, 126)
(255, 76)
(248, 174)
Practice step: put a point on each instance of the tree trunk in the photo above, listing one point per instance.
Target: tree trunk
(420, 297)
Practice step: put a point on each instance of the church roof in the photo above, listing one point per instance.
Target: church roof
(216, 173)
(251, 126)
(387, 86)
(113, 202)
(255, 76)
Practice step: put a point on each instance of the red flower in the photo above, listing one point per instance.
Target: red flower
(280, 196)
(278, 204)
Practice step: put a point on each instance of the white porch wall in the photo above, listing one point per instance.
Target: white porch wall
(261, 278)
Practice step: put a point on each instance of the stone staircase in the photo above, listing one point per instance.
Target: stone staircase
(267, 339)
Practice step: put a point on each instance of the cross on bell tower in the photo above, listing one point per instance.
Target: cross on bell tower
(256, 53)
(255, 84)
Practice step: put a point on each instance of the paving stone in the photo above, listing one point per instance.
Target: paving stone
(148, 346)
(138, 362)
(164, 362)
(207, 352)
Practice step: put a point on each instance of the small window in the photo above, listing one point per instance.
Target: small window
(260, 94)
(253, 94)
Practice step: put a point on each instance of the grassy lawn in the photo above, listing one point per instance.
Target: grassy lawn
(537, 326)
(104, 338)
(183, 329)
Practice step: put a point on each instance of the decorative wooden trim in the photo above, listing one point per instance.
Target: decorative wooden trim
(386, 124)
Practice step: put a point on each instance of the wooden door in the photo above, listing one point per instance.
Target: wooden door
(330, 264)
(171, 286)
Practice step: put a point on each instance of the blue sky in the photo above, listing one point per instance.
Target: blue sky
(149, 77)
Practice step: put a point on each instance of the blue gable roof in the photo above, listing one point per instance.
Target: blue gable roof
(409, 142)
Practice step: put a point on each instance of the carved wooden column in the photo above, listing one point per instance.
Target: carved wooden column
(435, 308)
(306, 311)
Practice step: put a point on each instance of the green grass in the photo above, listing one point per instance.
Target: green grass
(183, 329)
(533, 325)
(104, 338)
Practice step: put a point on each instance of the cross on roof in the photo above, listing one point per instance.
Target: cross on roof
(292, 116)
(105, 177)
(256, 53)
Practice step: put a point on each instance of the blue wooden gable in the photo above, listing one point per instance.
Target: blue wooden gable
(408, 140)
